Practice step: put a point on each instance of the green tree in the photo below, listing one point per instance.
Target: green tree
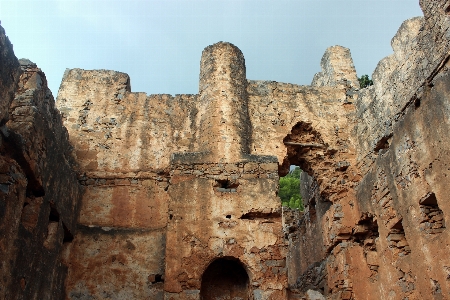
(289, 191)
(365, 81)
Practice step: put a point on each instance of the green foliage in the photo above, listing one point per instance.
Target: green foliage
(365, 81)
(289, 191)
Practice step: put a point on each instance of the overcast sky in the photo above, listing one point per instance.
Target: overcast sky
(159, 43)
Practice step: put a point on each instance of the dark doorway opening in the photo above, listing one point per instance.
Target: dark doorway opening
(225, 278)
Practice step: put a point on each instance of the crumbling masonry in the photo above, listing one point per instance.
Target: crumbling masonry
(123, 195)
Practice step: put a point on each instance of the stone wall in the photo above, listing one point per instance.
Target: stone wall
(175, 197)
(395, 247)
(199, 172)
(39, 191)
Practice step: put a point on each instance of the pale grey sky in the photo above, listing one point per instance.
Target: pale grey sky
(159, 43)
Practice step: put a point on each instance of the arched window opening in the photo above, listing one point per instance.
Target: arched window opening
(225, 278)
(305, 149)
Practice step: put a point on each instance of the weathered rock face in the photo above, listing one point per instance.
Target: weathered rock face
(394, 242)
(39, 191)
(179, 193)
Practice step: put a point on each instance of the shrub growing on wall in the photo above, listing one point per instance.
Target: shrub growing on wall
(289, 191)
(365, 81)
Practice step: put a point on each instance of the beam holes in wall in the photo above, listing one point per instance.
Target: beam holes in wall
(312, 213)
(228, 216)
(68, 236)
(259, 215)
(397, 240)
(383, 143)
(52, 228)
(155, 278)
(225, 278)
(366, 232)
(226, 186)
(23, 283)
(54, 215)
(432, 217)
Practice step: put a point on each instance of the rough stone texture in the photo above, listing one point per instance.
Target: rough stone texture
(314, 295)
(180, 192)
(420, 51)
(104, 118)
(208, 221)
(396, 246)
(10, 72)
(39, 191)
(223, 103)
(306, 253)
(202, 167)
(97, 249)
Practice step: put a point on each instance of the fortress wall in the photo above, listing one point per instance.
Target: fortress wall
(123, 142)
(406, 189)
(420, 51)
(107, 262)
(117, 133)
(275, 108)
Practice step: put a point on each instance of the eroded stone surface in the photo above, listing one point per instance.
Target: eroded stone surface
(178, 194)
(39, 191)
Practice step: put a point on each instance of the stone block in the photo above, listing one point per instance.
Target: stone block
(314, 295)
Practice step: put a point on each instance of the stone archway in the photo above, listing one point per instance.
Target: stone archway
(225, 278)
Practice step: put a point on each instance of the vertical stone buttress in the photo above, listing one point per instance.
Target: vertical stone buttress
(224, 119)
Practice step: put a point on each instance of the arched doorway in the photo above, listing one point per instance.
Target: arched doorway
(225, 278)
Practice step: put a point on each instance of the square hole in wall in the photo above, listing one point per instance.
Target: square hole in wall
(432, 217)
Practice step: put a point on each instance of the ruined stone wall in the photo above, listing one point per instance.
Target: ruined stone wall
(306, 252)
(390, 241)
(173, 190)
(242, 220)
(196, 174)
(396, 242)
(39, 192)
